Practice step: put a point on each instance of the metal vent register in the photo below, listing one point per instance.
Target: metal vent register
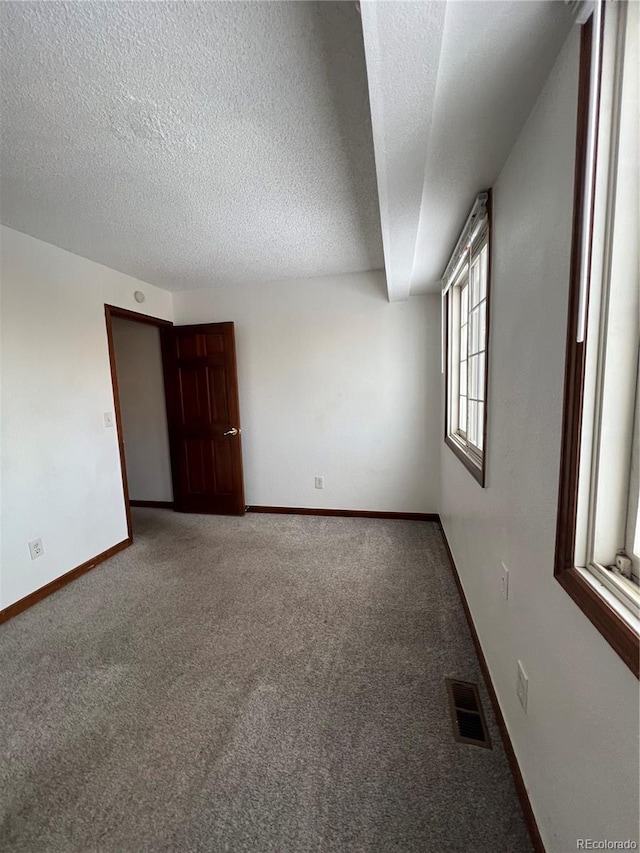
(467, 716)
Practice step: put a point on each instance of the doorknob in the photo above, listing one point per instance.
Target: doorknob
(232, 431)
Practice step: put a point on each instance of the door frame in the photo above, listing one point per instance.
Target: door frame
(111, 311)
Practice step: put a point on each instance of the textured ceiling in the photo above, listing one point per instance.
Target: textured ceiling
(189, 144)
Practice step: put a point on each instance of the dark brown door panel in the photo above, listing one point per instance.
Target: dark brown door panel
(204, 418)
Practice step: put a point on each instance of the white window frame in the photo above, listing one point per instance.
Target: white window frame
(468, 269)
(598, 486)
(611, 322)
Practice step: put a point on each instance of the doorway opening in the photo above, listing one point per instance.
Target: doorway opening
(177, 414)
(137, 374)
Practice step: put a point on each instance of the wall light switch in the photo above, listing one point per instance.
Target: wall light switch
(108, 419)
(319, 482)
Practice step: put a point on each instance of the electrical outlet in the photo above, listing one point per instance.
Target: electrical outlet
(36, 548)
(504, 581)
(523, 686)
(108, 420)
(319, 482)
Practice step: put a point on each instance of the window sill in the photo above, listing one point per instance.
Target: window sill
(475, 468)
(593, 599)
(619, 592)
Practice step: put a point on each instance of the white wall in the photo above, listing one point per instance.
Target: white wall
(578, 743)
(143, 409)
(337, 382)
(60, 467)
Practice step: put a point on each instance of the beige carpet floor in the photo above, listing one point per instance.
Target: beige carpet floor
(266, 683)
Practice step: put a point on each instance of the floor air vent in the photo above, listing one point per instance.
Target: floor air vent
(467, 716)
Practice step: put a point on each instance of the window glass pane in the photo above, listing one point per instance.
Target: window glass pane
(463, 304)
(475, 282)
(480, 441)
(483, 272)
(482, 327)
(463, 342)
(473, 334)
(473, 422)
(473, 376)
(462, 425)
(481, 363)
(633, 503)
(463, 378)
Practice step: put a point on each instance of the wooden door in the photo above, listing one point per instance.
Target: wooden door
(204, 418)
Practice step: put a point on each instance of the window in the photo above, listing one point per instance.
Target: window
(465, 297)
(597, 543)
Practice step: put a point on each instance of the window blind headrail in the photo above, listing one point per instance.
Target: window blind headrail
(477, 215)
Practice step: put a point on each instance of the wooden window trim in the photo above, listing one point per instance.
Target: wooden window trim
(610, 624)
(476, 469)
